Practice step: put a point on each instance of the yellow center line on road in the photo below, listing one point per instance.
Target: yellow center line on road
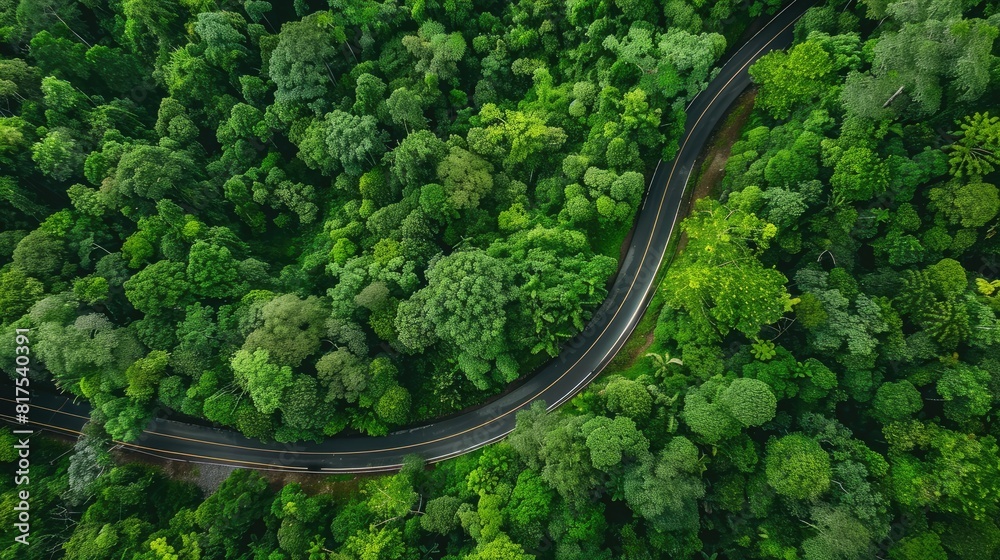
(60, 411)
(153, 450)
(534, 397)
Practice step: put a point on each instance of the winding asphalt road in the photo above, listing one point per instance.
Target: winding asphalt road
(579, 363)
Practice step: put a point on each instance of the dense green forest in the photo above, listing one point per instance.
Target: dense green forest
(295, 219)
(823, 381)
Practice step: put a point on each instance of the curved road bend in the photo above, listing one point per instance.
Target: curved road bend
(579, 363)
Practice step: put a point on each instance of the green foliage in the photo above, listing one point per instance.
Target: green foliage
(718, 281)
(158, 287)
(463, 304)
(300, 62)
(859, 174)
(896, 401)
(797, 467)
(922, 545)
(232, 510)
(612, 442)
(790, 78)
(466, 179)
(144, 375)
(212, 271)
(263, 380)
(839, 535)
(969, 205)
(946, 470)
(314, 152)
(39, 254)
(436, 52)
(17, 293)
(152, 172)
(952, 67)
(664, 490)
(91, 289)
(440, 516)
(966, 392)
(749, 401)
(341, 141)
(514, 137)
(291, 328)
(394, 405)
(388, 210)
(977, 151)
(628, 397)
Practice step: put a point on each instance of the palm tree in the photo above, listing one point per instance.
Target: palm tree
(662, 362)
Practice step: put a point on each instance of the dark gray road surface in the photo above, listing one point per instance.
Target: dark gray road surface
(579, 363)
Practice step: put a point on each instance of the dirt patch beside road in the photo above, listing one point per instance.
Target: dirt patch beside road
(710, 167)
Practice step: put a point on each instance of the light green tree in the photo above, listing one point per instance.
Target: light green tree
(263, 380)
(796, 466)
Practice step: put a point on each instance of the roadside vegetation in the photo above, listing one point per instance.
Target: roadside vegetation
(296, 219)
(823, 377)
